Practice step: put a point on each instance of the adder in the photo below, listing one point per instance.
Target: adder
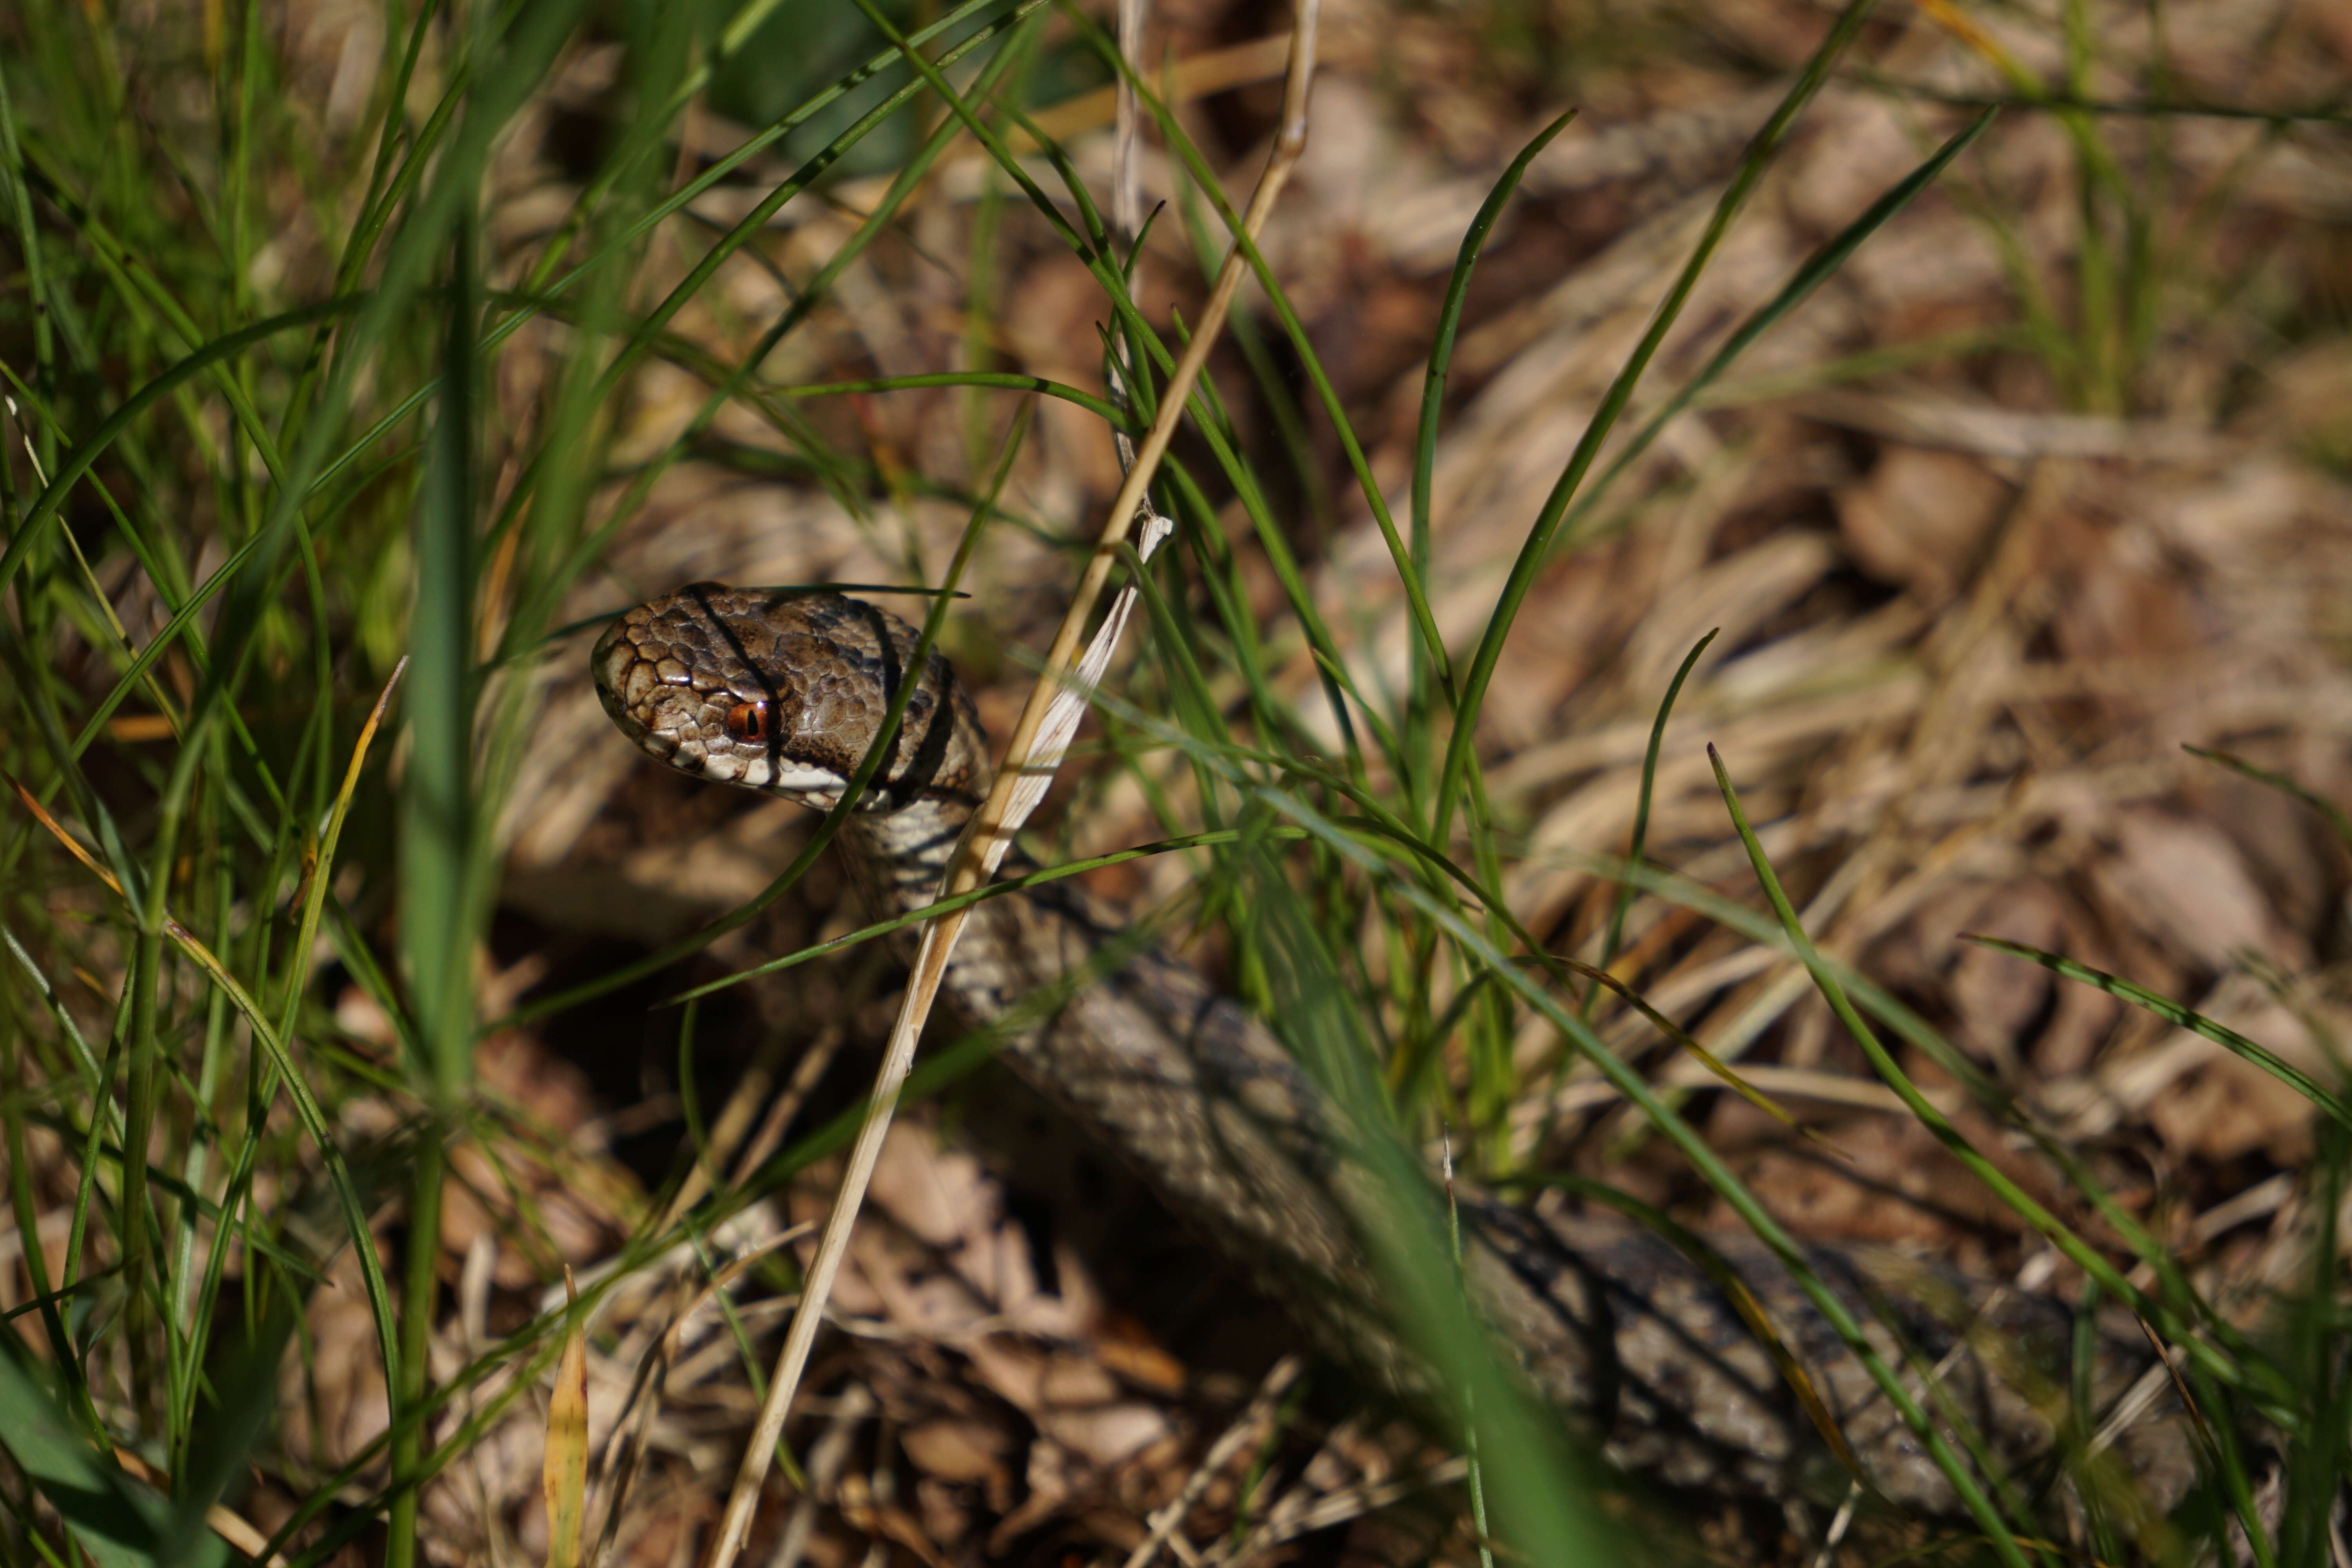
(784, 693)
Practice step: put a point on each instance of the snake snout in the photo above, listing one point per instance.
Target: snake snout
(696, 724)
(611, 662)
(663, 717)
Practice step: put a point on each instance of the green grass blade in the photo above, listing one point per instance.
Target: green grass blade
(1624, 897)
(1103, 408)
(440, 853)
(2019, 1202)
(1527, 1470)
(1537, 547)
(1702, 1159)
(997, 890)
(118, 1522)
(2337, 818)
(31, 529)
(2173, 1013)
(439, 827)
(1817, 270)
(244, 1384)
(1441, 361)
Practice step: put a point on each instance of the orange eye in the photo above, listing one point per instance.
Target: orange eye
(747, 723)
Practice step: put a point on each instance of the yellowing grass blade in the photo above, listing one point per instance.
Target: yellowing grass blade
(566, 1472)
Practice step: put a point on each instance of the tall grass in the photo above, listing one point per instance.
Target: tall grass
(238, 493)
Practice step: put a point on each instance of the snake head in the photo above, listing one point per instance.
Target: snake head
(784, 693)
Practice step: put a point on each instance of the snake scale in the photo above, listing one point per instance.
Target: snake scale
(784, 693)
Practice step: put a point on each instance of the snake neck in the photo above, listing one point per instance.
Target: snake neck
(901, 856)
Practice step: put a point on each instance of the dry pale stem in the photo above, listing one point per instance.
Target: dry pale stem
(1245, 1430)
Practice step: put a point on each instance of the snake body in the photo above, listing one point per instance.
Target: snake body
(1625, 1332)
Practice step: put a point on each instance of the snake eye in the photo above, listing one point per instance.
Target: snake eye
(747, 723)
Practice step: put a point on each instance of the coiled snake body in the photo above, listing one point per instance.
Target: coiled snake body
(785, 694)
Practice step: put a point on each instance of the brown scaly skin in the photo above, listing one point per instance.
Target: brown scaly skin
(784, 693)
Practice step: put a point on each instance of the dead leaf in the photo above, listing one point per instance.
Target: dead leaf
(2203, 1101)
(957, 1450)
(1920, 519)
(2186, 882)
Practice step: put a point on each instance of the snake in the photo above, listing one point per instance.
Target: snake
(1647, 1345)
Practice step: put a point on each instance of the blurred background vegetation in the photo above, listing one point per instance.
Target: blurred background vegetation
(340, 332)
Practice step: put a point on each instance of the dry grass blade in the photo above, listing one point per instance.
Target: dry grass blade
(230, 1526)
(1126, 184)
(1246, 1427)
(2173, 1013)
(1029, 761)
(1688, 1042)
(312, 892)
(566, 1469)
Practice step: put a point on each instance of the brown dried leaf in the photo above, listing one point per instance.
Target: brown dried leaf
(2185, 883)
(956, 1449)
(2230, 1106)
(1920, 519)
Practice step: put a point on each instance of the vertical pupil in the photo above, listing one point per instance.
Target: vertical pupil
(748, 720)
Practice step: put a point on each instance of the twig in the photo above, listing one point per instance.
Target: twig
(626, 1448)
(1838, 1525)
(1342, 1507)
(1244, 1427)
(1030, 758)
(825, 1461)
(730, 1127)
